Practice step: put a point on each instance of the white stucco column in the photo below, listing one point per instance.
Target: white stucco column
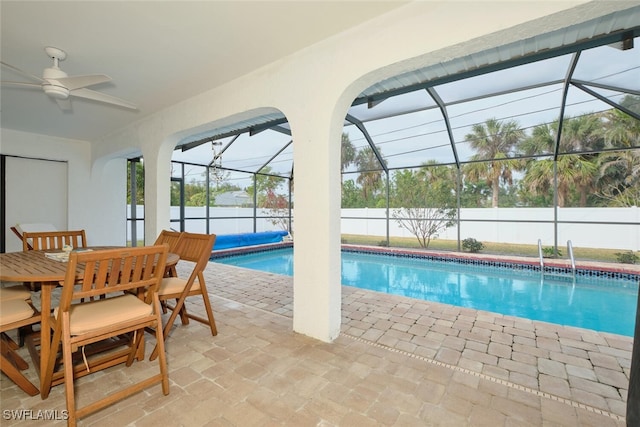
(108, 176)
(316, 283)
(157, 199)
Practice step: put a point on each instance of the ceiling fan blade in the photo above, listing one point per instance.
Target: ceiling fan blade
(22, 84)
(24, 73)
(78, 82)
(102, 97)
(64, 104)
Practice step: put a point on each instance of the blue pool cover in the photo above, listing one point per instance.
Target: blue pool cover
(226, 241)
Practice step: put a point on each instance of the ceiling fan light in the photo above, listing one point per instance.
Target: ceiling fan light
(56, 92)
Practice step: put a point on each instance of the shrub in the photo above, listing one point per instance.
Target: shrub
(472, 245)
(549, 253)
(627, 257)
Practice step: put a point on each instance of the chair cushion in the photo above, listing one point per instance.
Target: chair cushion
(175, 285)
(13, 310)
(86, 317)
(14, 292)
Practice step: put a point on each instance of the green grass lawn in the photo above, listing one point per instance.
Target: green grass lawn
(586, 254)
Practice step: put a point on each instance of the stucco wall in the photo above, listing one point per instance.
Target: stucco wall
(96, 191)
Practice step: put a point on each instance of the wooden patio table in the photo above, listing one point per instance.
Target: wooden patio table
(34, 266)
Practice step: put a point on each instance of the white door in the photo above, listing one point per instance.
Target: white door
(36, 192)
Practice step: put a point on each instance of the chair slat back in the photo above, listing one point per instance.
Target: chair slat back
(44, 240)
(195, 247)
(169, 237)
(113, 271)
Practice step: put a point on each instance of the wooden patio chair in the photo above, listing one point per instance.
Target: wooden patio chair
(14, 292)
(51, 240)
(15, 313)
(44, 240)
(18, 292)
(171, 238)
(195, 249)
(129, 278)
(21, 228)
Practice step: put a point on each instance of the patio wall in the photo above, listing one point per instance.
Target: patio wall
(88, 195)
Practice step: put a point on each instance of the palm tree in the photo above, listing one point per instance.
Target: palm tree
(348, 151)
(619, 181)
(582, 133)
(371, 176)
(494, 141)
(541, 142)
(442, 181)
(576, 173)
(622, 130)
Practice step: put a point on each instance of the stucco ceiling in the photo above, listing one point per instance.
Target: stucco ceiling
(157, 53)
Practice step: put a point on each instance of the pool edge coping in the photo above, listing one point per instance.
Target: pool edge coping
(551, 265)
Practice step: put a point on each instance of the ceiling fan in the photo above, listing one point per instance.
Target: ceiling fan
(59, 86)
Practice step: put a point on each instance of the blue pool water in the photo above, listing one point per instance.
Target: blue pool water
(601, 304)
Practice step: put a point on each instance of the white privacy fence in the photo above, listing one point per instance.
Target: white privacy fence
(609, 228)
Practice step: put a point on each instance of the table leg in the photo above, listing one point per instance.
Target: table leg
(45, 333)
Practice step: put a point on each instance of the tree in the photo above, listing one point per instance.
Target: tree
(195, 193)
(475, 194)
(370, 178)
(351, 195)
(572, 171)
(424, 201)
(619, 180)
(576, 173)
(265, 181)
(139, 196)
(529, 198)
(275, 205)
(621, 129)
(582, 133)
(218, 176)
(541, 142)
(494, 141)
(348, 152)
(278, 205)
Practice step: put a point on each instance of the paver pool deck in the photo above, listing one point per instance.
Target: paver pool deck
(397, 362)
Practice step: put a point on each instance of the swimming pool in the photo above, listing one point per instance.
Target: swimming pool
(599, 303)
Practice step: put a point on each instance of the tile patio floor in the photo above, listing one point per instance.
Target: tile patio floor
(397, 362)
